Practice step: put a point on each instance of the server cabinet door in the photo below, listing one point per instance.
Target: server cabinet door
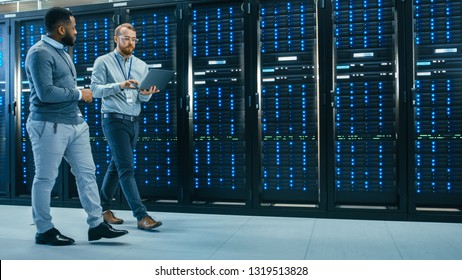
(157, 163)
(365, 103)
(437, 104)
(288, 121)
(218, 103)
(95, 37)
(28, 32)
(4, 119)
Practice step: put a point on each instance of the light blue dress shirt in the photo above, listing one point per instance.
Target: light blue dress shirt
(109, 71)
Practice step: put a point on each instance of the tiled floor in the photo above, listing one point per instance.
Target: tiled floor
(226, 237)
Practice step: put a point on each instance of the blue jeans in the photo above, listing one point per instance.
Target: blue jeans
(50, 143)
(122, 136)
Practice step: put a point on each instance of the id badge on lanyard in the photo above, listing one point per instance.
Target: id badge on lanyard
(128, 93)
(129, 96)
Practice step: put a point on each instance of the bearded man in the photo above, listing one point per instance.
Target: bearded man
(115, 79)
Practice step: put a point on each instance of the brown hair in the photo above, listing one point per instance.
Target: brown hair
(126, 25)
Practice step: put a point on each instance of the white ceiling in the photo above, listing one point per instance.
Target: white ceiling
(14, 6)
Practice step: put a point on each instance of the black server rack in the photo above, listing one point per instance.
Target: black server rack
(365, 103)
(3, 109)
(289, 102)
(437, 104)
(95, 37)
(218, 103)
(28, 32)
(157, 162)
(155, 158)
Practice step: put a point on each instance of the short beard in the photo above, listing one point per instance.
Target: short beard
(68, 40)
(125, 51)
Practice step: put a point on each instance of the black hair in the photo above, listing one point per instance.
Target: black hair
(56, 16)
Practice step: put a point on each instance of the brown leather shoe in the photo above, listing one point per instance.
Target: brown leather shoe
(109, 218)
(148, 223)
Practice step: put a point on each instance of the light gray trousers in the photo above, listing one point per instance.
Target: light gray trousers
(50, 143)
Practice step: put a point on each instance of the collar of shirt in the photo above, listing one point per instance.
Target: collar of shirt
(52, 42)
(120, 56)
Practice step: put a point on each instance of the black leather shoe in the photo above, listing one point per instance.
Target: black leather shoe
(104, 230)
(53, 237)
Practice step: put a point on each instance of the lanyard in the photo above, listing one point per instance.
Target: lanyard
(122, 69)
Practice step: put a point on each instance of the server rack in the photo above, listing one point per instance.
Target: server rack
(365, 105)
(435, 137)
(157, 156)
(218, 112)
(288, 121)
(4, 112)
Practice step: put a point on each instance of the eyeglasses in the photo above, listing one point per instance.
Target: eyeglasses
(129, 39)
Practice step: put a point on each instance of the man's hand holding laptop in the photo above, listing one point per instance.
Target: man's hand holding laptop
(133, 84)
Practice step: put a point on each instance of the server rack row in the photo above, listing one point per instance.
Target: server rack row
(285, 108)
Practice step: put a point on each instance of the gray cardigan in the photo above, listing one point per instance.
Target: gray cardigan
(54, 94)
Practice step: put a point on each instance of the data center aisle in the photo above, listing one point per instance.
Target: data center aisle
(223, 237)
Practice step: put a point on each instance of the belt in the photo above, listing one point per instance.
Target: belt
(120, 117)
